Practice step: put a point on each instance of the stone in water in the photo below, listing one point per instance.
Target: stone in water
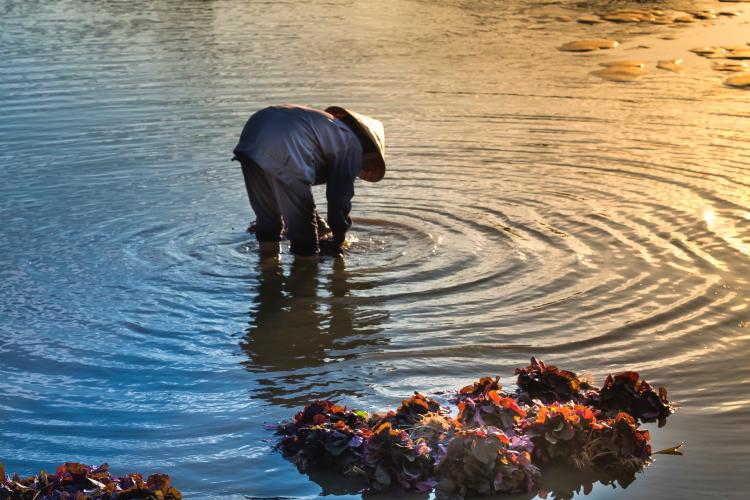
(704, 15)
(620, 73)
(589, 20)
(631, 63)
(663, 20)
(739, 54)
(739, 81)
(674, 65)
(736, 67)
(709, 52)
(621, 18)
(589, 45)
(639, 14)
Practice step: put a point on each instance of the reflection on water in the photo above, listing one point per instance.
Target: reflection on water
(557, 482)
(530, 208)
(300, 329)
(563, 483)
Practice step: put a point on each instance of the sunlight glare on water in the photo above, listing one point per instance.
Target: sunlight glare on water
(530, 208)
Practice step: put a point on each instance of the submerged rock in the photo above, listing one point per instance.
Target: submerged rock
(739, 54)
(589, 19)
(709, 52)
(674, 65)
(740, 81)
(620, 73)
(637, 15)
(654, 16)
(589, 45)
(705, 50)
(641, 13)
(663, 20)
(706, 15)
(622, 18)
(626, 63)
(736, 67)
(685, 19)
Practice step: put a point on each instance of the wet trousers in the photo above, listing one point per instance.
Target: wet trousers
(280, 206)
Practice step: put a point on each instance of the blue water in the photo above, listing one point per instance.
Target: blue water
(529, 209)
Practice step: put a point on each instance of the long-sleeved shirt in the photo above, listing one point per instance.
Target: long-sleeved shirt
(299, 144)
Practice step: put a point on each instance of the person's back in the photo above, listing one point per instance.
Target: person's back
(287, 148)
(293, 142)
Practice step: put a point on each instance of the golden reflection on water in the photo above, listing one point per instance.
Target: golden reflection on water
(530, 209)
(540, 209)
(726, 229)
(707, 214)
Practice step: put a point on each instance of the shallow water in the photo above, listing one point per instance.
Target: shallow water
(530, 208)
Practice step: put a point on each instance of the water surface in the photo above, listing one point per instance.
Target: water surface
(529, 209)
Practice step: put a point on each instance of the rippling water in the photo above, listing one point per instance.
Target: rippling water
(529, 209)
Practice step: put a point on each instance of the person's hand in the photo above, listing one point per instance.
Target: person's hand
(328, 247)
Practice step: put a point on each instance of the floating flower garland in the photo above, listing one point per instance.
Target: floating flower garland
(327, 434)
(484, 403)
(83, 482)
(485, 461)
(498, 442)
(549, 384)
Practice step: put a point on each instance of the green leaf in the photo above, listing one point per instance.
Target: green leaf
(355, 471)
(674, 450)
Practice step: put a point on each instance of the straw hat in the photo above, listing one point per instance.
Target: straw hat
(372, 129)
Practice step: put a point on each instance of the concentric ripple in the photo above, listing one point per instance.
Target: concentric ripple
(529, 209)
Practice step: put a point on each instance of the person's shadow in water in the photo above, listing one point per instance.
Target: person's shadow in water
(304, 330)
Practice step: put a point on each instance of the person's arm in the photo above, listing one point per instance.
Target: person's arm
(340, 191)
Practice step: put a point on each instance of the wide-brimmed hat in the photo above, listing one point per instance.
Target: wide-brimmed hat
(372, 129)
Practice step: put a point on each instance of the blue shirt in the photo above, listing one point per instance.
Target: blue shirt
(299, 144)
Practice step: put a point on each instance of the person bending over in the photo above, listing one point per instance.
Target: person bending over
(286, 149)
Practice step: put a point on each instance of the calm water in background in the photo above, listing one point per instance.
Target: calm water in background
(529, 209)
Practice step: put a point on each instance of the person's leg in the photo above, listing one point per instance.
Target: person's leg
(261, 193)
(297, 206)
